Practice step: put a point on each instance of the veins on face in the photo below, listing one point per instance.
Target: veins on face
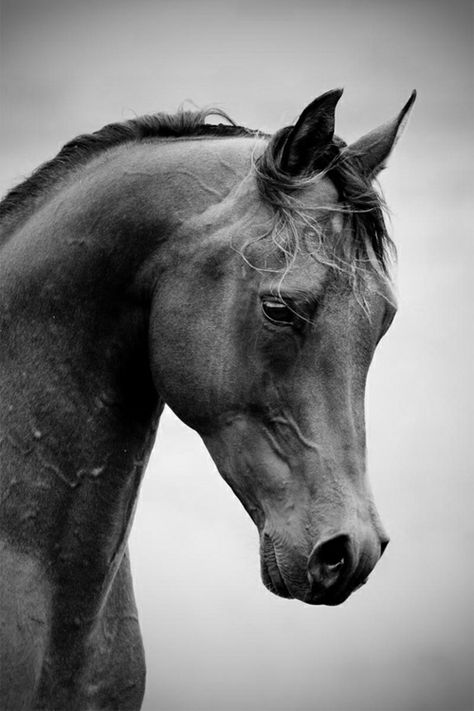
(286, 419)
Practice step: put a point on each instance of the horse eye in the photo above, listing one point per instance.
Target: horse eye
(278, 312)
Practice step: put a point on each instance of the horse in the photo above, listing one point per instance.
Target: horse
(244, 280)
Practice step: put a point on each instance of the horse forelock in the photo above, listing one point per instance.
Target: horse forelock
(297, 225)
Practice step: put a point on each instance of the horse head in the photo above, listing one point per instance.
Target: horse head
(263, 339)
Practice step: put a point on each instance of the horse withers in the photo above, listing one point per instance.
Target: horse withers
(240, 278)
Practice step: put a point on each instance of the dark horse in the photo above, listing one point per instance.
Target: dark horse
(243, 280)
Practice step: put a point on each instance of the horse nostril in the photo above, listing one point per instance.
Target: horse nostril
(328, 562)
(333, 553)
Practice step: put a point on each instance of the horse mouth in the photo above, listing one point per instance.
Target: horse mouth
(271, 574)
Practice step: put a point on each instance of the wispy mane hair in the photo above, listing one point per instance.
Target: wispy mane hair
(361, 206)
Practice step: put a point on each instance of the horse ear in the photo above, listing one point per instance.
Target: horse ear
(307, 142)
(372, 150)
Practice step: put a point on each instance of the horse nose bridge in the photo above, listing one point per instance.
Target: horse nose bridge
(341, 497)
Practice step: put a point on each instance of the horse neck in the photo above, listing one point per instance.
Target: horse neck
(79, 409)
(78, 420)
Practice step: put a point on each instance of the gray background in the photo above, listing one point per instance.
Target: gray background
(215, 638)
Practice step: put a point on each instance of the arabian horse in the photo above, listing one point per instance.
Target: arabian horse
(243, 280)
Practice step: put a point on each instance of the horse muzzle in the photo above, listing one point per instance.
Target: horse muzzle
(336, 567)
(340, 565)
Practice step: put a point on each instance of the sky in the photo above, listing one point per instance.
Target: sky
(215, 638)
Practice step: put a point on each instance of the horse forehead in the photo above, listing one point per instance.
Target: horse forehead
(320, 192)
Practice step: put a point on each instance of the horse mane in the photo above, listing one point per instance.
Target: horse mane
(360, 203)
(80, 150)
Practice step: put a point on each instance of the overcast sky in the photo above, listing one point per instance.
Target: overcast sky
(216, 640)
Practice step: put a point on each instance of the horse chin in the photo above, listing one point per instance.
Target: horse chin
(273, 581)
(271, 574)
